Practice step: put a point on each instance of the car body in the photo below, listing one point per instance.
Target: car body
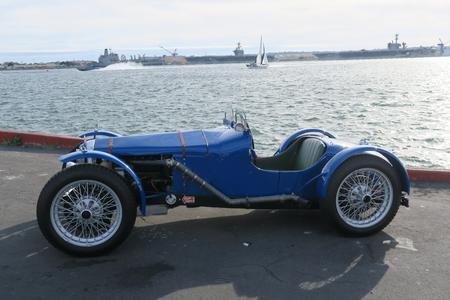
(219, 167)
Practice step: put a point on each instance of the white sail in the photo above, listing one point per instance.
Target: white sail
(264, 57)
(258, 59)
(261, 61)
(264, 60)
(259, 56)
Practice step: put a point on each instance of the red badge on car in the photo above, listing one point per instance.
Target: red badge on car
(188, 199)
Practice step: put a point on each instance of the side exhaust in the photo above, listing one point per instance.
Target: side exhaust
(171, 163)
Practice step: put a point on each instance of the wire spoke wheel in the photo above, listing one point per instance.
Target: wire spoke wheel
(364, 197)
(86, 213)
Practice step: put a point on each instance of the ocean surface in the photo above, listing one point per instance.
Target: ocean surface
(400, 104)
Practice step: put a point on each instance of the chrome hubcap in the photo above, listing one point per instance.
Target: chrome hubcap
(86, 213)
(364, 197)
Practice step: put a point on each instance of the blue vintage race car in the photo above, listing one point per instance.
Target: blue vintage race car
(90, 206)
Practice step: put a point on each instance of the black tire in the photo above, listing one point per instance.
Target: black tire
(86, 172)
(349, 166)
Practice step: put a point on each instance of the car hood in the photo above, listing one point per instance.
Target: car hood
(194, 142)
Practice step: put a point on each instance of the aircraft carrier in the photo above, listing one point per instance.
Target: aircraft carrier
(175, 59)
(394, 49)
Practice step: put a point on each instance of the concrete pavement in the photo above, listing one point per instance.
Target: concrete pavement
(206, 253)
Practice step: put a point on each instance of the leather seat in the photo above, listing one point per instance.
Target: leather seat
(300, 155)
(310, 151)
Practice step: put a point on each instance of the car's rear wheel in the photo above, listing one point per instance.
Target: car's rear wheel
(86, 210)
(363, 195)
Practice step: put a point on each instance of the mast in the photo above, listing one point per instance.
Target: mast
(260, 45)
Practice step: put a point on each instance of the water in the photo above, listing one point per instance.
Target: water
(403, 104)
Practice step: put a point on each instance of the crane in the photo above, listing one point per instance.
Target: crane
(440, 40)
(441, 46)
(174, 53)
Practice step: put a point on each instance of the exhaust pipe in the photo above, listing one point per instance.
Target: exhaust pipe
(171, 163)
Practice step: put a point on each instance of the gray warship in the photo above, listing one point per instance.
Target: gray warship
(104, 60)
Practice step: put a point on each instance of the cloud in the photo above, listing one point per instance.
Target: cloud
(51, 25)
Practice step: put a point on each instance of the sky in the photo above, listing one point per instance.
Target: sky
(214, 26)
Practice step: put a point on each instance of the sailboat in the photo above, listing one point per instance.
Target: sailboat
(261, 61)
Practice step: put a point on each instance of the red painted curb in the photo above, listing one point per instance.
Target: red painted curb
(429, 175)
(39, 139)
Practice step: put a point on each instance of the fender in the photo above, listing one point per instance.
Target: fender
(108, 157)
(399, 166)
(333, 164)
(96, 133)
(285, 144)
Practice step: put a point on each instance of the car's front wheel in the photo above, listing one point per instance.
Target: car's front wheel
(363, 195)
(86, 210)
